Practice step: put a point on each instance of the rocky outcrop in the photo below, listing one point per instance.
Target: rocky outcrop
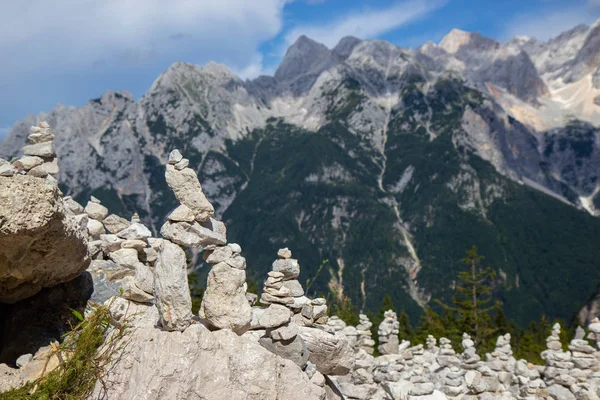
(41, 244)
(198, 363)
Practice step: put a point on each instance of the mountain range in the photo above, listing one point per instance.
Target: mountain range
(387, 162)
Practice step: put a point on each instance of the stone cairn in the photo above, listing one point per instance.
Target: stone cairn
(39, 157)
(364, 337)
(135, 267)
(388, 333)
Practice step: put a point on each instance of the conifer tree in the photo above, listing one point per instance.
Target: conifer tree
(345, 310)
(405, 331)
(430, 323)
(471, 302)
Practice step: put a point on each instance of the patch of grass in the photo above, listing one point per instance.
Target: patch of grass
(85, 353)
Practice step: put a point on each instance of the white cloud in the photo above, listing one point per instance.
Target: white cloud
(545, 25)
(73, 34)
(366, 24)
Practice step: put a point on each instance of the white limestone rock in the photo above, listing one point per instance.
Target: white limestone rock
(288, 267)
(111, 243)
(7, 170)
(26, 163)
(95, 228)
(220, 254)
(126, 258)
(144, 278)
(171, 288)
(275, 315)
(115, 224)
(182, 164)
(284, 253)
(131, 291)
(44, 150)
(224, 304)
(204, 236)
(73, 206)
(135, 231)
(175, 156)
(96, 211)
(330, 353)
(198, 364)
(182, 214)
(188, 191)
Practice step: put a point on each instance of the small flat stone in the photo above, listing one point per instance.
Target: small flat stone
(38, 172)
(284, 253)
(134, 293)
(285, 332)
(51, 167)
(236, 248)
(111, 243)
(115, 224)
(135, 231)
(41, 137)
(220, 254)
(95, 228)
(266, 298)
(182, 214)
(73, 206)
(294, 287)
(237, 262)
(139, 245)
(288, 267)
(144, 278)
(96, 211)
(175, 156)
(26, 163)
(182, 164)
(127, 258)
(45, 150)
(23, 360)
(275, 315)
(7, 170)
(319, 301)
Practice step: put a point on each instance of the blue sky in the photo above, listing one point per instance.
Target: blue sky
(70, 51)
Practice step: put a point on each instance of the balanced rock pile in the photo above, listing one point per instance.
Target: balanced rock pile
(388, 333)
(123, 252)
(191, 224)
(363, 329)
(224, 304)
(39, 157)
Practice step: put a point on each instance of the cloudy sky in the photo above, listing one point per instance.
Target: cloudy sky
(69, 51)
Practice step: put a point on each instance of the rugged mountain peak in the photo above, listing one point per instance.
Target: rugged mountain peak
(345, 46)
(219, 71)
(458, 39)
(302, 63)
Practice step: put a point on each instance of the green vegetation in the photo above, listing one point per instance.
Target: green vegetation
(470, 314)
(472, 297)
(318, 194)
(85, 353)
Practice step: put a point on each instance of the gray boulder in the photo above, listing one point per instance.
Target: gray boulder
(331, 353)
(199, 364)
(187, 190)
(224, 304)
(41, 244)
(171, 287)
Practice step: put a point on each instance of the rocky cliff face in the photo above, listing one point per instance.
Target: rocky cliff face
(408, 148)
